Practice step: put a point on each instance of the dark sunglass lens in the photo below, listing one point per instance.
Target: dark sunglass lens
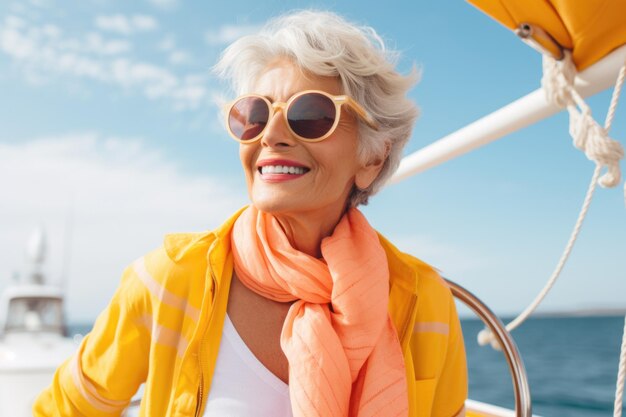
(248, 117)
(311, 115)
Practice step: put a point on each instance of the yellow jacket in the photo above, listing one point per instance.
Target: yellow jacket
(164, 324)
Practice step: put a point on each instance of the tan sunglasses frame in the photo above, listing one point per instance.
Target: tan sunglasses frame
(283, 106)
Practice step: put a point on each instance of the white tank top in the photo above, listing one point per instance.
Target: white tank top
(242, 386)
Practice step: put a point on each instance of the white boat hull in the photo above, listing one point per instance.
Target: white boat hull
(27, 366)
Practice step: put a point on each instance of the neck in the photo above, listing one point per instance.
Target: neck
(306, 231)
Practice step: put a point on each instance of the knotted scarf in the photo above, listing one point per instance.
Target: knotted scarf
(344, 354)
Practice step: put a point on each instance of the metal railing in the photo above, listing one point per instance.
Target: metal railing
(523, 403)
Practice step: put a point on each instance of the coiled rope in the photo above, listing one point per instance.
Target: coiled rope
(594, 141)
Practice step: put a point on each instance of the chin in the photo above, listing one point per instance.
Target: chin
(286, 202)
(274, 203)
(268, 207)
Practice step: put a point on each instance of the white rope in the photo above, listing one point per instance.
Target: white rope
(486, 336)
(621, 77)
(589, 137)
(621, 375)
(621, 369)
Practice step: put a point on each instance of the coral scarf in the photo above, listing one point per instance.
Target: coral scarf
(344, 354)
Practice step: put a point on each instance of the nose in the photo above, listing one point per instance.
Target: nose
(277, 134)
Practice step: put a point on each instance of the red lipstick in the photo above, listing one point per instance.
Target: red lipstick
(281, 162)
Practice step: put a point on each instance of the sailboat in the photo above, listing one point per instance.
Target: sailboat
(33, 340)
(584, 43)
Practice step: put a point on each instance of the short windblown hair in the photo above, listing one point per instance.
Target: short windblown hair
(325, 44)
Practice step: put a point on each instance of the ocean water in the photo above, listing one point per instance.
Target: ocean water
(571, 364)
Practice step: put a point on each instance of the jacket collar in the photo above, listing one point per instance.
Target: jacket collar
(181, 245)
(220, 247)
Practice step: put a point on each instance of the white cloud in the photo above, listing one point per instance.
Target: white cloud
(126, 25)
(144, 23)
(14, 21)
(96, 44)
(51, 31)
(158, 83)
(176, 56)
(229, 33)
(123, 198)
(14, 44)
(116, 23)
(153, 78)
(17, 8)
(164, 4)
(44, 51)
(25, 42)
(167, 43)
(41, 3)
(179, 57)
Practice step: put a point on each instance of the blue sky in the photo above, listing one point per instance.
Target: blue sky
(108, 124)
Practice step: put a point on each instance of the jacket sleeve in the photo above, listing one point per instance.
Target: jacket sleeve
(111, 363)
(451, 389)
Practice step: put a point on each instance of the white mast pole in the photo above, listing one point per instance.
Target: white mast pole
(521, 113)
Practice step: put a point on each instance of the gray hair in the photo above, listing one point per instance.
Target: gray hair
(325, 44)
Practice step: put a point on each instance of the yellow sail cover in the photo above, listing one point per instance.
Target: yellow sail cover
(589, 28)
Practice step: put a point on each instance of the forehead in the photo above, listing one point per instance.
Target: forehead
(281, 79)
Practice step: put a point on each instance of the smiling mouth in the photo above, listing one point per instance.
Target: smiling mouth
(283, 169)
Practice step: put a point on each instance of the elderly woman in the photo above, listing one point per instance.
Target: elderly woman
(295, 306)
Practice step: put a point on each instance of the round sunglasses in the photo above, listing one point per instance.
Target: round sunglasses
(310, 115)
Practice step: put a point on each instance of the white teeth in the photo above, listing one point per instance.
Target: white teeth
(282, 169)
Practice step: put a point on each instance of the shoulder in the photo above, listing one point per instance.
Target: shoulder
(176, 267)
(185, 248)
(179, 253)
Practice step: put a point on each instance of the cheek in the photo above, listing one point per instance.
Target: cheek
(337, 169)
(341, 158)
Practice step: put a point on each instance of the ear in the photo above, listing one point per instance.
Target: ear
(368, 173)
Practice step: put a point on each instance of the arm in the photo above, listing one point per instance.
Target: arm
(110, 364)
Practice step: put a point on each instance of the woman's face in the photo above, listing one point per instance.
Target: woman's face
(326, 170)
